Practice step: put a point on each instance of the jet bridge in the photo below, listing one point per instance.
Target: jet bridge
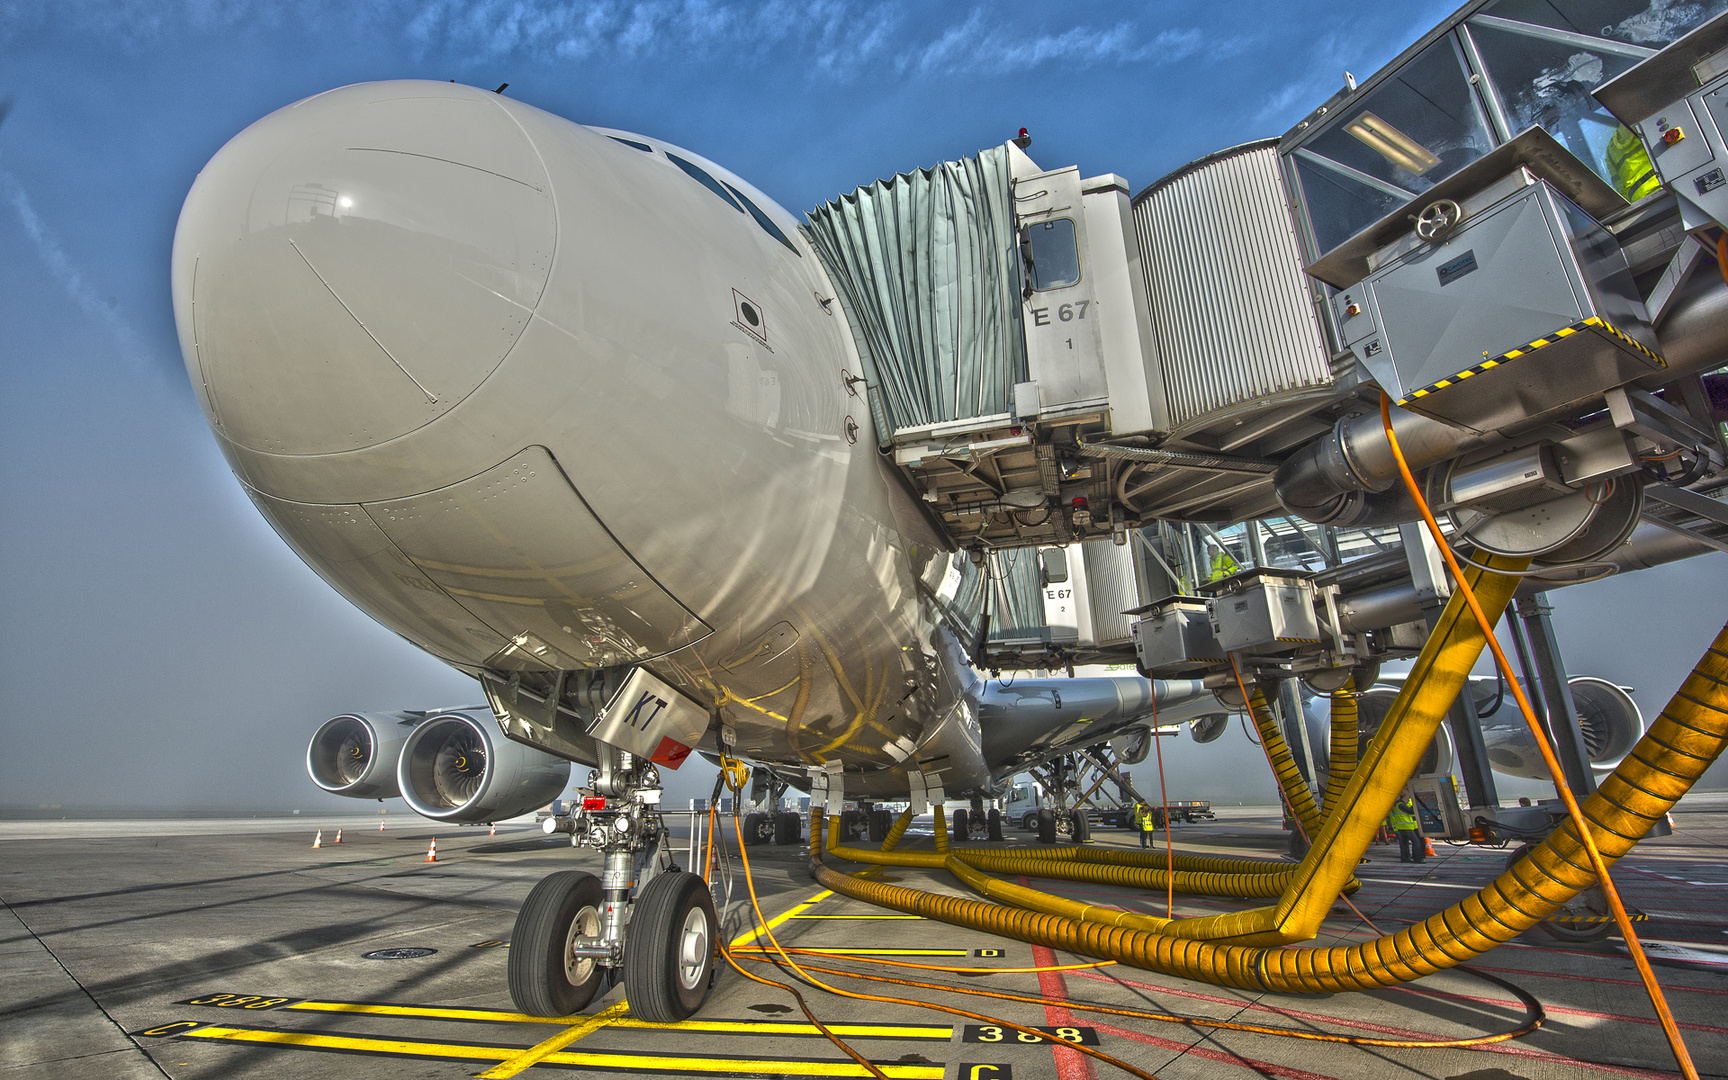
(1492, 229)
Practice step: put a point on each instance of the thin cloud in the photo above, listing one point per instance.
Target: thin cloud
(843, 39)
(61, 268)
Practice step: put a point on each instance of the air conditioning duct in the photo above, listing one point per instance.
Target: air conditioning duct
(355, 754)
(458, 767)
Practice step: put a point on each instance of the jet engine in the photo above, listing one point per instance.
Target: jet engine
(1610, 720)
(459, 768)
(355, 754)
(1371, 709)
(1208, 728)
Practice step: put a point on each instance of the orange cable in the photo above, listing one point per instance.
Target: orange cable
(1536, 1014)
(1675, 1042)
(1164, 797)
(778, 948)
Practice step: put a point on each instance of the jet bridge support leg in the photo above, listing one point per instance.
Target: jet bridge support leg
(1466, 727)
(1536, 615)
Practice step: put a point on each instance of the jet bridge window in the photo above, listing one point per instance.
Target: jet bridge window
(1393, 143)
(1053, 254)
(1545, 74)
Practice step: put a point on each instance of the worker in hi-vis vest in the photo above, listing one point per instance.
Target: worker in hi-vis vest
(1144, 823)
(1630, 167)
(1403, 822)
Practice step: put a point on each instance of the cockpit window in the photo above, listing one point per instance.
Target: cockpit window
(763, 219)
(644, 147)
(701, 176)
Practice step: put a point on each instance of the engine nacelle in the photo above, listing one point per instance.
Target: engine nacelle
(1371, 709)
(458, 767)
(1209, 728)
(355, 754)
(1610, 719)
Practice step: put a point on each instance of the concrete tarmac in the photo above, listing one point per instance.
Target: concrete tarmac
(210, 949)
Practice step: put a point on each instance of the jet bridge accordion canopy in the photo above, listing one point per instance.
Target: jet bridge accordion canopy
(926, 265)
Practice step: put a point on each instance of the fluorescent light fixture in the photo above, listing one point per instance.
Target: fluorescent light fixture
(1392, 144)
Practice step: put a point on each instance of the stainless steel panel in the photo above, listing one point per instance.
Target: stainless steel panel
(1268, 614)
(1232, 314)
(1176, 638)
(519, 548)
(1111, 590)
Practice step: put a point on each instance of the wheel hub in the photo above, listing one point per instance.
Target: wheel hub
(693, 948)
(584, 930)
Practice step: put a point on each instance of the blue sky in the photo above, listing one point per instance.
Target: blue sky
(154, 629)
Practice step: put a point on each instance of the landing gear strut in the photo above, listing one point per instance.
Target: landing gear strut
(643, 920)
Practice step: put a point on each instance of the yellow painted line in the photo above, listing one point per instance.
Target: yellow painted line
(664, 1065)
(864, 952)
(428, 1013)
(860, 918)
(542, 1050)
(769, 1027)
(716, 1027)
(790, 913)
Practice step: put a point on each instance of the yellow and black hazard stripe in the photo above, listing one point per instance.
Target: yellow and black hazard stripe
(1577, 920)
(1561, 334)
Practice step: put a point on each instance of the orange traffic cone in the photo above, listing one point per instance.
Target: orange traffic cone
(338, 839)
(432, 852)
(494, 831)
(318, 841)
(380, 824)
(1427, 847)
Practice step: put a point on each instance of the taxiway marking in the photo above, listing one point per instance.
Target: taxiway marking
(859, 952)
(656, 1064)
(940, 1032)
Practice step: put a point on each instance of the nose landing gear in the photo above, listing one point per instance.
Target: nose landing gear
(644, 920)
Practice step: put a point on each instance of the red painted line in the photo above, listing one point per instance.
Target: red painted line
(1206, 1053)
(1594, 979)
(1510, 1049)
(1553, 1010)
(1071, 1064)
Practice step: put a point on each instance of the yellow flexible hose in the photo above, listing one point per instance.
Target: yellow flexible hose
(1683, 741)
(1574, 813)
(1345, 744)
(1290, 781)
(901, 824)
(1037, 863)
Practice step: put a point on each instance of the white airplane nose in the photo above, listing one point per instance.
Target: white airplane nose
(353, 266)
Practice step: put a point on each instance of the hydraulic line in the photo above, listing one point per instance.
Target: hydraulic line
(1575, 815)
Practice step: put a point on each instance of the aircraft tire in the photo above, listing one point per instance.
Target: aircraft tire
(669, 953)
(1046, 826)
(881, 821)
(993, 824)
(852, 825)
(960, 826)
(1082, 827)
(788, 829)
(758, 829)
(543, 981)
